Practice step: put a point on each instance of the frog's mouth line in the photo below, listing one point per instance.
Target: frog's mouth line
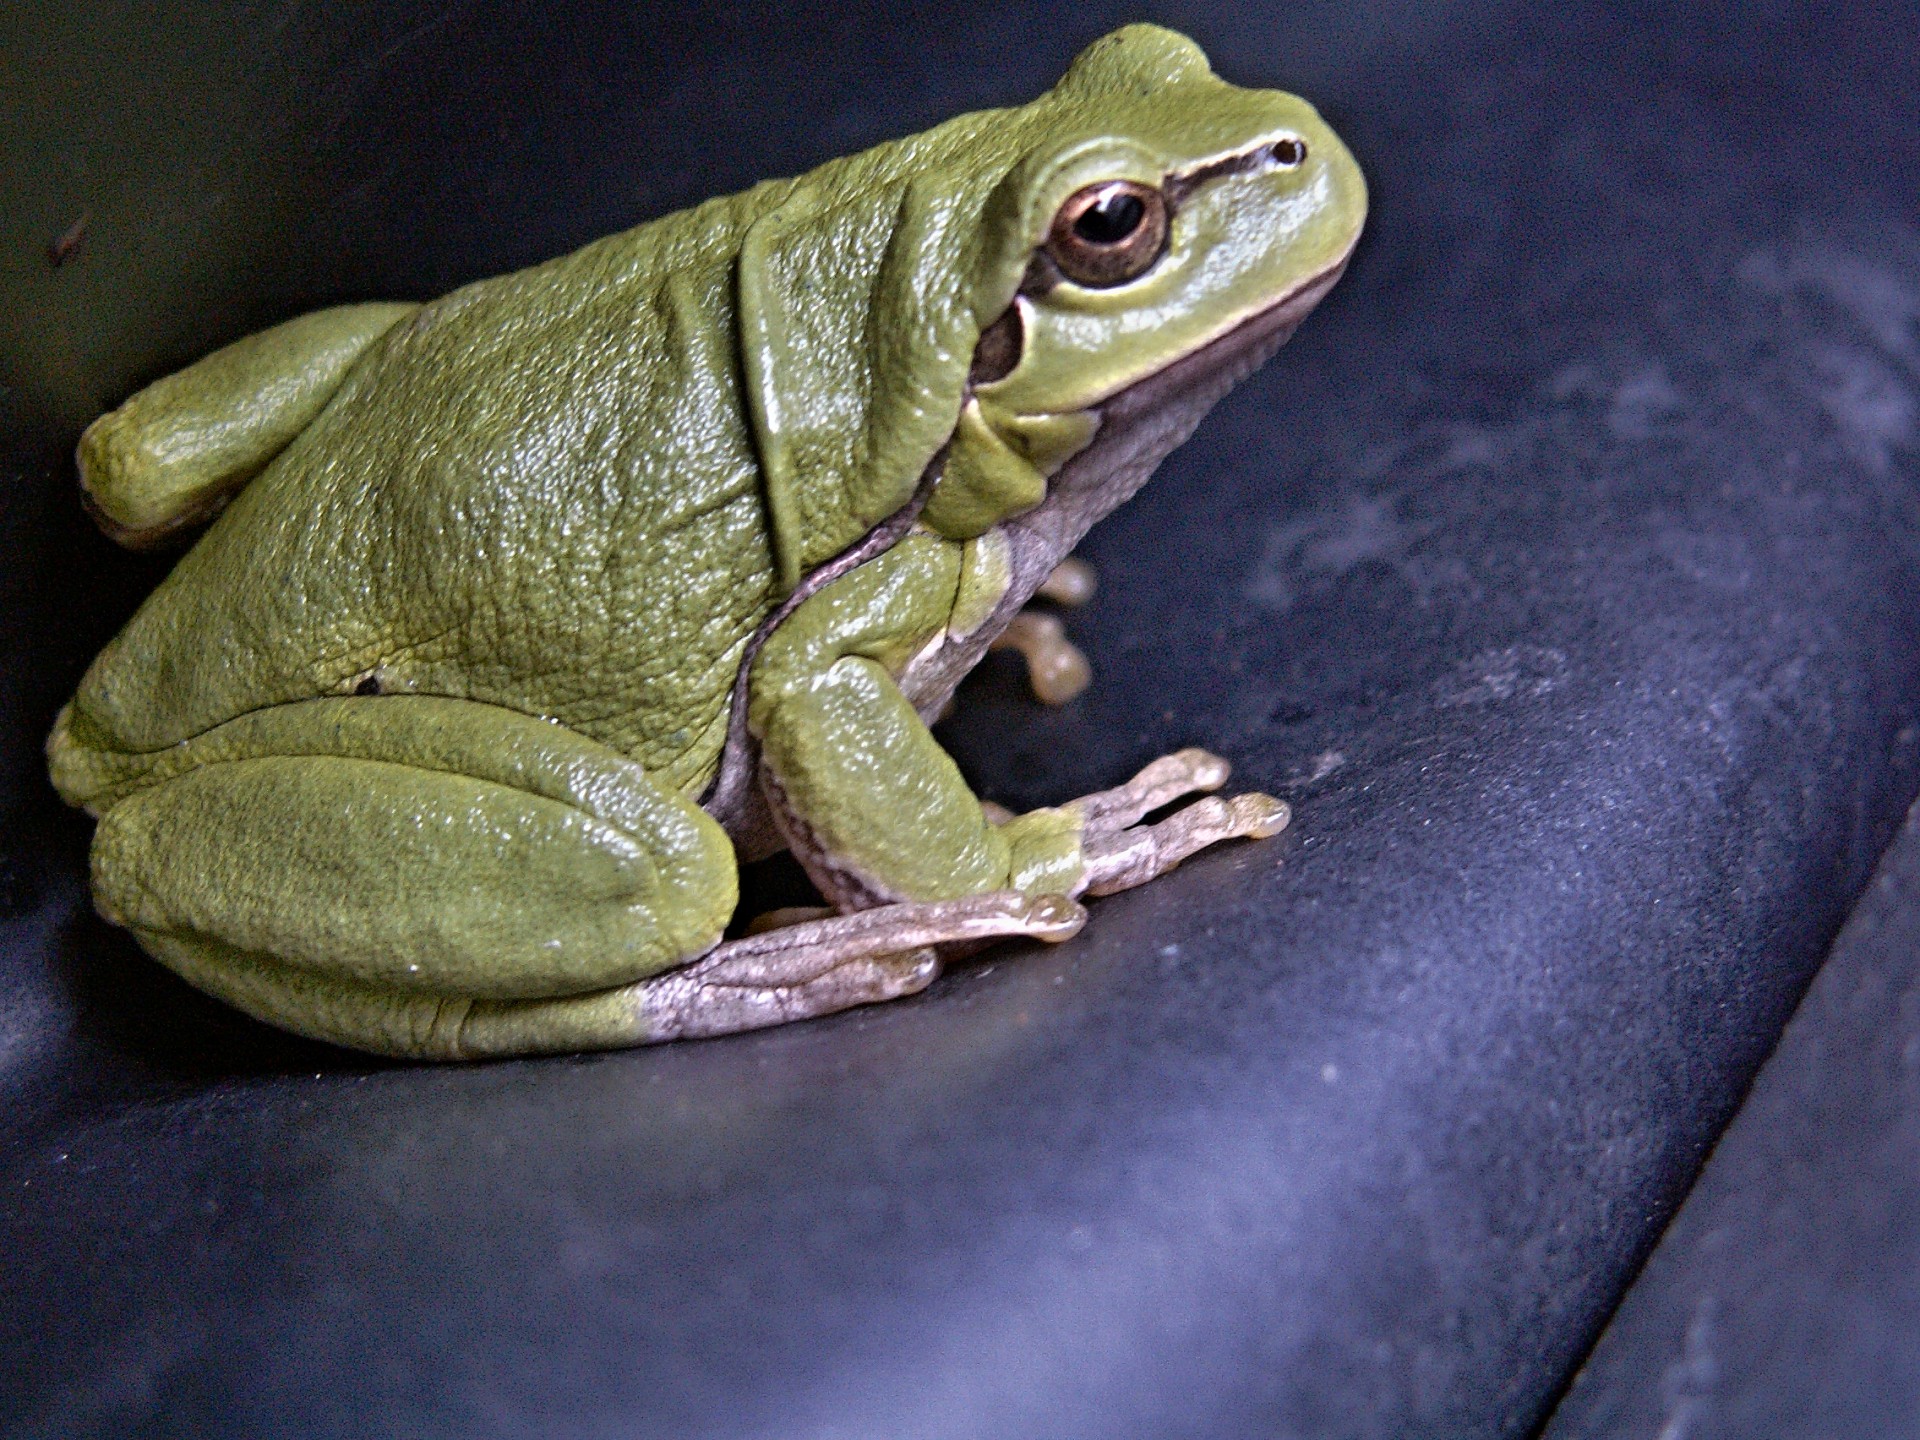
(1230, 356)
(1139, 425)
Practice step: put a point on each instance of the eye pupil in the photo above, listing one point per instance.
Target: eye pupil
(1110, 219)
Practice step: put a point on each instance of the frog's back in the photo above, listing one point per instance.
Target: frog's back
(545, 491)
(538, 492)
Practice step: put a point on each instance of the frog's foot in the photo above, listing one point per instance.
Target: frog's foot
(1056, 669)
(817, 966)
(174, 454)
(684, 1008)
(1122, 853)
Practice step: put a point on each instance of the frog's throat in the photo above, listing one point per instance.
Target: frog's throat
(1038, 446)
(1140, 424)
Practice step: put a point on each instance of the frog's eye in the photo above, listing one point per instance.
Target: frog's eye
(1110, 233)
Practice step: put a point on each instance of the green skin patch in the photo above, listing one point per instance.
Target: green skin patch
(410, 750)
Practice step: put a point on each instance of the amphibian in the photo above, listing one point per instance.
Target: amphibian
(528, 613)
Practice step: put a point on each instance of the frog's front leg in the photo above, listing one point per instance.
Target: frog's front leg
(1057, 669)
(869, 803)
(876, 811)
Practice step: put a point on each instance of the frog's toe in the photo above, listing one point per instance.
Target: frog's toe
(1121, 860)
(1120, 852)
(794, 955)
(1072, 582)
(817, 966)
(1056, 668)
(1192, 771)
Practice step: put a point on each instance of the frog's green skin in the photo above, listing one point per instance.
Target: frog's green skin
(410, 751)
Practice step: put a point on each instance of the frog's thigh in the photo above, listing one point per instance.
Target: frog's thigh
(396, 877)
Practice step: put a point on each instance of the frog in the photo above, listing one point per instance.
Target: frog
(514, 623)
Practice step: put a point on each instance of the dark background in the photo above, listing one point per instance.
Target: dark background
(1561, 571)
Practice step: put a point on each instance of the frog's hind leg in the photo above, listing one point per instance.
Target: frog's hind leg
(796, 972)
(173, 454)
(332, 864)
(419, 875)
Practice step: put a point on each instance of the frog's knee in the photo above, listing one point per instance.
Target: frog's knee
(173, 454)
(391, 877)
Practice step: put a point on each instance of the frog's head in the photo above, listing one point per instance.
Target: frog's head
(1127, 246)
(1157, 209)
(1160, 234)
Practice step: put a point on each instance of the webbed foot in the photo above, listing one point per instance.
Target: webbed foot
(817, 966)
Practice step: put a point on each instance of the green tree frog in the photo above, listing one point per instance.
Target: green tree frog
(529, 613)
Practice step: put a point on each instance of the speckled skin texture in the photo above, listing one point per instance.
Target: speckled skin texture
(1560, 571)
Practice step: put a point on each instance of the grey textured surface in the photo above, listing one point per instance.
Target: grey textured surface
(1561, 572)
(1785, 1299)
